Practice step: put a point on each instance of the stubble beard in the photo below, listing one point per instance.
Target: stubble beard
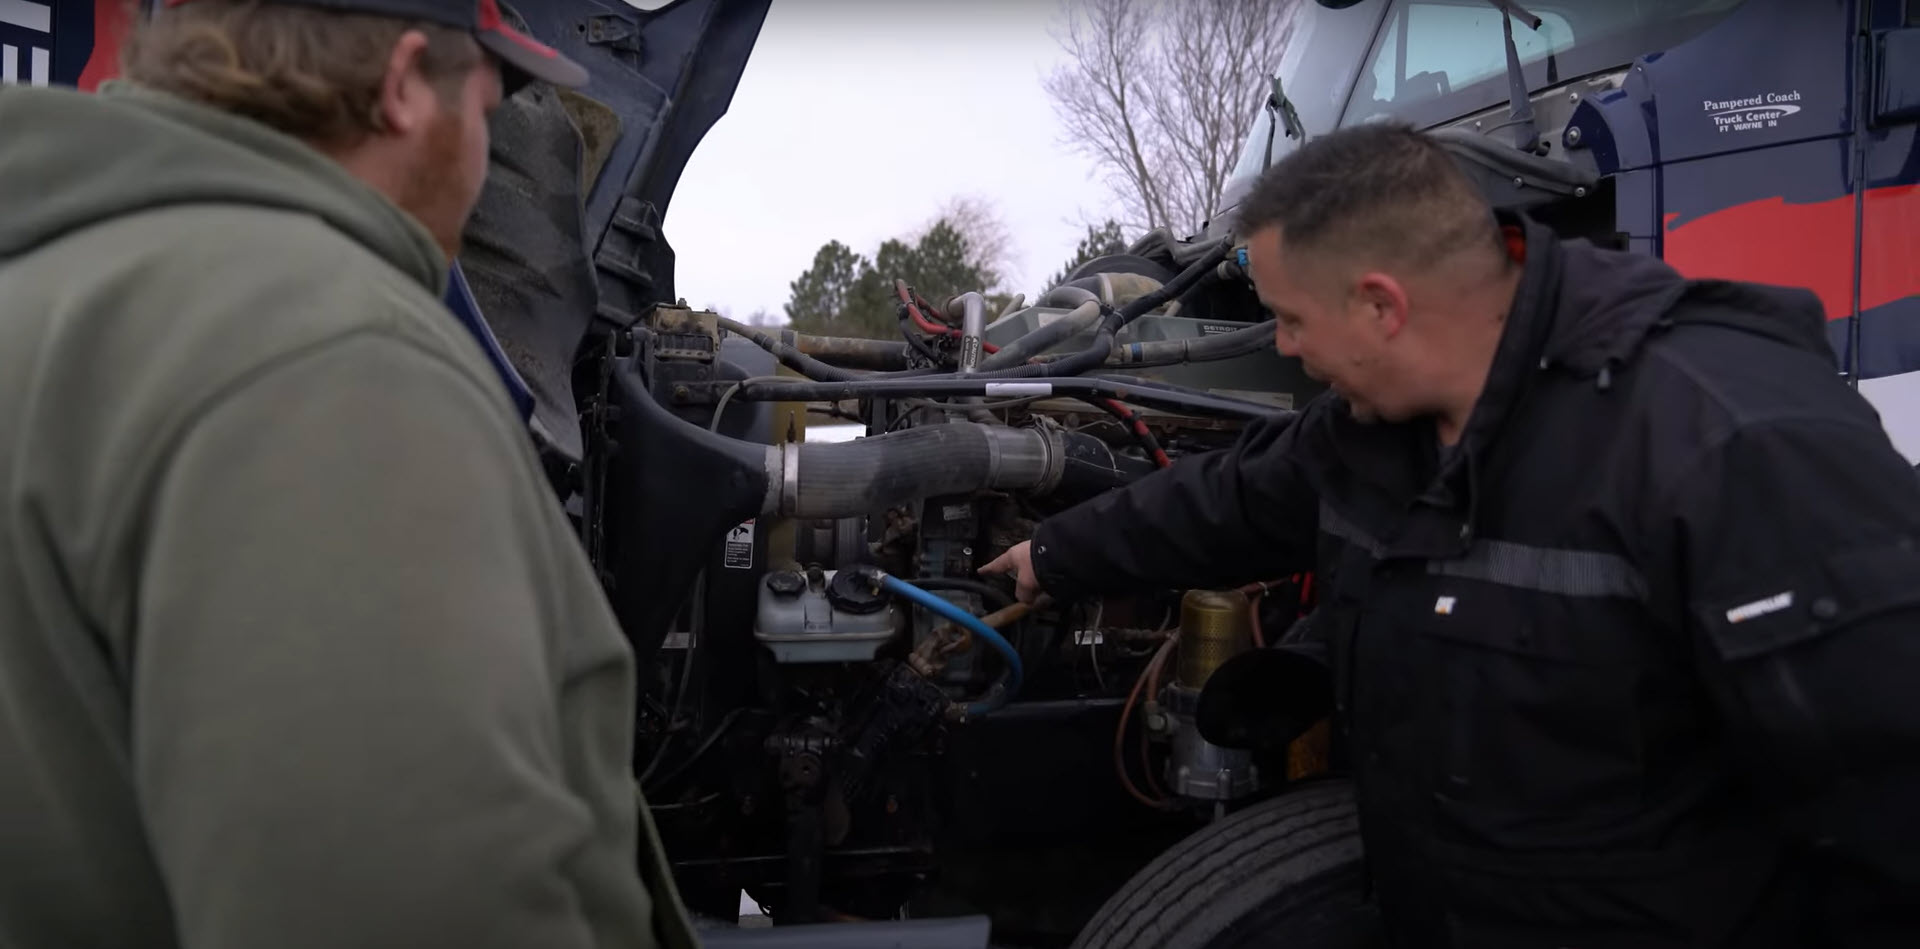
(433, 191)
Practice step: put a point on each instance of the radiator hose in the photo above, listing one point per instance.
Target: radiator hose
(870, 474)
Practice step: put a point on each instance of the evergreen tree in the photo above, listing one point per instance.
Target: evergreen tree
(1101, 240)
(821, 295)
(843, 294)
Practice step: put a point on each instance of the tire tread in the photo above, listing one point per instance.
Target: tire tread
(1228, 869)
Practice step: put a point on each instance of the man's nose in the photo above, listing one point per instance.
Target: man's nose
(1284, 344)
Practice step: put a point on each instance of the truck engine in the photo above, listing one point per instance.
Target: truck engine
(838, 682)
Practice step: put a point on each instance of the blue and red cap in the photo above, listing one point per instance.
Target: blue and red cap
(483, 18)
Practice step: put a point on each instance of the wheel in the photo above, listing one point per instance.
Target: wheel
(1285, 873)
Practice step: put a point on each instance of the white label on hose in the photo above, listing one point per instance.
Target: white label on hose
(1019, 389)
(739, 550)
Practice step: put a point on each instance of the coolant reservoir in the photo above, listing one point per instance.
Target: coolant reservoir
(823, 616)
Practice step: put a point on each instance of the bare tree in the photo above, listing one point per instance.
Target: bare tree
(1161, 93)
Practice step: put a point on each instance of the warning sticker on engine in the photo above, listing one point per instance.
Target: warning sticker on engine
(739, 551)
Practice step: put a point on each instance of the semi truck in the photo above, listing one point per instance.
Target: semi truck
(839, 716)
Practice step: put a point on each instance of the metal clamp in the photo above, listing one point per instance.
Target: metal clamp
(789, 477)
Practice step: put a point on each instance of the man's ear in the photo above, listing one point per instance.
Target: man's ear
(407, 101)
(1383, 301)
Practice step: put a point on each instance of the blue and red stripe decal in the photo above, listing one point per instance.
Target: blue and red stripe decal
(1811, 245)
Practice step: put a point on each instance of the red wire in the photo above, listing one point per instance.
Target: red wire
(930, 327)
(1255, 591)
(1139, 426)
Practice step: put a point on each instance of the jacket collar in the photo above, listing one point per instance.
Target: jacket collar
(1517, 360)
(1523, 340)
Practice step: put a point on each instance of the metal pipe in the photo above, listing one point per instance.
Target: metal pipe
(973, 326)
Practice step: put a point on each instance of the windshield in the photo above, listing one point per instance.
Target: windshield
(1431, 61)
(1323, 54)
(1437, 60)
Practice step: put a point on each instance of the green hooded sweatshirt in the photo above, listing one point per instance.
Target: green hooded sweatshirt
(296, 646)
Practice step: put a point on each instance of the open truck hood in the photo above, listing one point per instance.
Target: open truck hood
(568, 227)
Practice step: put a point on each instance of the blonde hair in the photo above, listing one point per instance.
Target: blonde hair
(313, 73)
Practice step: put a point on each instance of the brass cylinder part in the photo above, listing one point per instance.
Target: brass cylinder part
(1215, 626)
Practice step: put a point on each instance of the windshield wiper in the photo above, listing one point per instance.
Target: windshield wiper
(1283, 112)
(1526, 135)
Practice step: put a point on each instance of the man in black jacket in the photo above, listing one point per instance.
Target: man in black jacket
(1620, 583)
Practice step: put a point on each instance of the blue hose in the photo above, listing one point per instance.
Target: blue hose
(1016, 672)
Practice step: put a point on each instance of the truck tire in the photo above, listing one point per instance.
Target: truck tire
(1283, 873)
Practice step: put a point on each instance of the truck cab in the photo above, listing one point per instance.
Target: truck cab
(1762, 140)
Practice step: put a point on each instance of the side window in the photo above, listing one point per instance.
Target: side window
(1429, 50)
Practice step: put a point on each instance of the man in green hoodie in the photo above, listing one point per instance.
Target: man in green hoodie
(296, 647)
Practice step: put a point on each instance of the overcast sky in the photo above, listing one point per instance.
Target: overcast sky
(811, 149)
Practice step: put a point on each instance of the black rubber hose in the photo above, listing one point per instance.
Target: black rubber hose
(1174, 352)
(1136, 391)
(1240, 342)
(1145, 385)
(1067, 296)
(871, 474)
(806, 365)
(1205, 268)
(789, 356)
(1046, 337)
(1075, 363)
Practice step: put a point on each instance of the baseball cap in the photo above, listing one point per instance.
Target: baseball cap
(483, 18)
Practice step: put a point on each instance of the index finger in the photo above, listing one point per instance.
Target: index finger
(1001, 564)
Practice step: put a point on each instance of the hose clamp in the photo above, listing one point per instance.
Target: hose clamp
(995, 450)
(789, 478)
(1053, 453)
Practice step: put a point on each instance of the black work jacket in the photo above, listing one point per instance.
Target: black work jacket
(1639, 666)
